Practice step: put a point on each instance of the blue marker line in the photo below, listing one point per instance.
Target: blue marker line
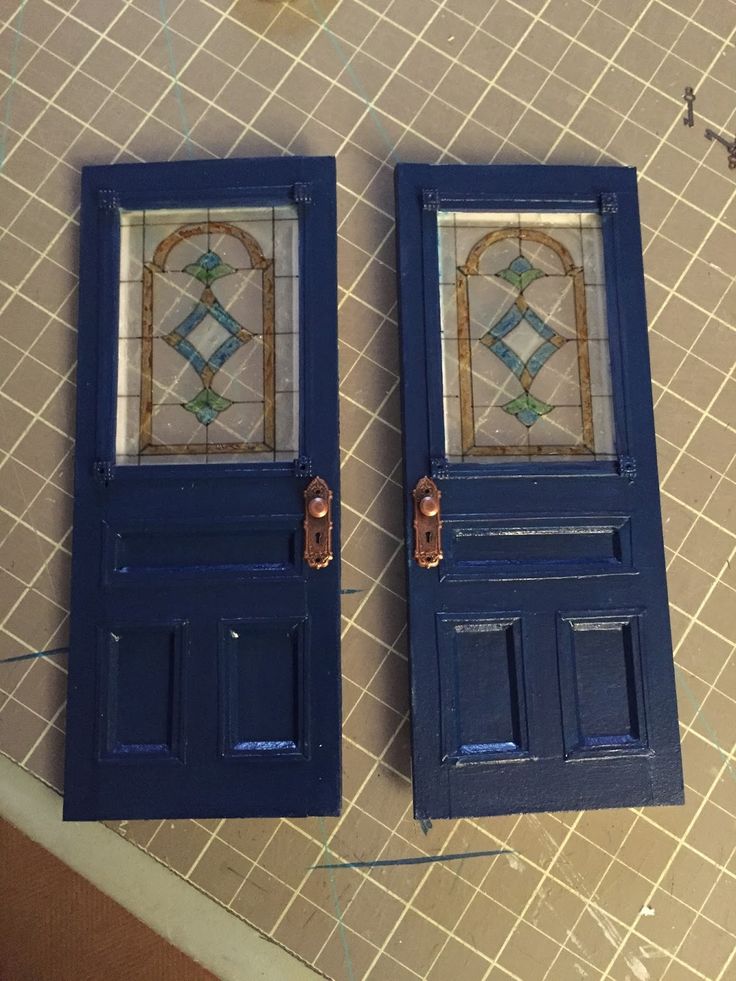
(175, 76)
(423, 860)
(361, 91)
(29, 657)
(336, 904)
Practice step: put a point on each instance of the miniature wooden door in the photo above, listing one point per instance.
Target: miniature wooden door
(204, 666)
(541, 660)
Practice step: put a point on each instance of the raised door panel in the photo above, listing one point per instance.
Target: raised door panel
(142, 675)
(481, 677)
(601, 683)
(262, 687)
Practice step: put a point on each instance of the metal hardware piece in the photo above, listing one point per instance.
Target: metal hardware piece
(731, 147)
(318, 507)
(317, 524)
(689, 97)
(427, 524)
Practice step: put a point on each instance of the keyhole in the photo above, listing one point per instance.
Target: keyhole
(429, 536)
(318, 537)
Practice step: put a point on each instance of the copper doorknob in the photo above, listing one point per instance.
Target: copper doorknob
(318, 507)
(429, 506)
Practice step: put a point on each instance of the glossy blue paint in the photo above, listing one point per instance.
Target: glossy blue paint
(204, 666)
(541, 659)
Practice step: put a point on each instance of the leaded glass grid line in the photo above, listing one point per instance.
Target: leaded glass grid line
(208, 354)
(526, 367)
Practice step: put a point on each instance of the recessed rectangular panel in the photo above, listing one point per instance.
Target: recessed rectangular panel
(601, 683)
(255, 547)
(260, 686)
(571, 546)
(140, 708)
(481, 670)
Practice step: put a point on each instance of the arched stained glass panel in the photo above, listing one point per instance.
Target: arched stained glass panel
(209, 336)
(526, 365)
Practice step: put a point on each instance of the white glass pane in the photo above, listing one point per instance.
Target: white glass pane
(208, 358)
(526, 365)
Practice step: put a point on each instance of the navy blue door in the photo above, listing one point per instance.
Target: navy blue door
(541, 659)
(204, 666)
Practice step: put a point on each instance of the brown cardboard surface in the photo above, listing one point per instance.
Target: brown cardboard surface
(57, 925)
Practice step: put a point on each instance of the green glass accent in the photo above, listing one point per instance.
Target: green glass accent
(520, 273)
(208, 268)
(207, 405)
(527, 409)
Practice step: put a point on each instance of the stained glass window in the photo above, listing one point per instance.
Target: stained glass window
(208, 356)
(526, 365)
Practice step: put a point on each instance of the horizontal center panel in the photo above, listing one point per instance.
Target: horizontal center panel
(262, 545)
(536, 494)
(537, 595)
(204, 494)
(530, 548)
(203, 600)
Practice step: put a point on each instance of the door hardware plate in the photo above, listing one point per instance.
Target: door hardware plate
(427, 524)
(317, 524)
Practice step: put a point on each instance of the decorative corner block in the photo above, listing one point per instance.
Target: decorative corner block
(430, 199)
(609, 203)
(108, 200)
(627, 467)
(303, 466)
(103, 472)
(302, 193)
